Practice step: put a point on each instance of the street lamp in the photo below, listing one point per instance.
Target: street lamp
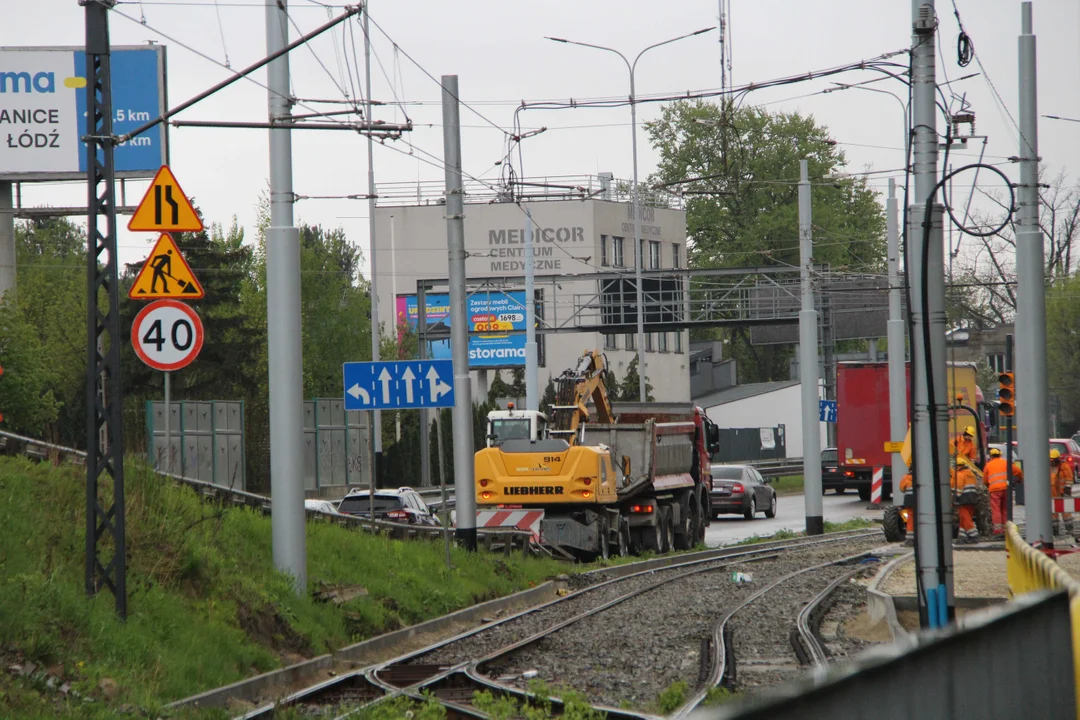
(640, 261)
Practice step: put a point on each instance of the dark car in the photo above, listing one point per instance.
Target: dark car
(741, 489)
(832, 475)
(403, 505)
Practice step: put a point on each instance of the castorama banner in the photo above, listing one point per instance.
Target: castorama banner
(495, 313)
(43, 112)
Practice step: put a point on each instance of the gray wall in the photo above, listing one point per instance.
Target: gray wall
(336, 448)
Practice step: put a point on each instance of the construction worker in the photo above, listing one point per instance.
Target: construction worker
(996, 477)
(907, 484)
(963, 445)
(964, 482)
(1061, 480)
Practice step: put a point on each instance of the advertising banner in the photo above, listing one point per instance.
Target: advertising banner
(43, 112)
(496, 314)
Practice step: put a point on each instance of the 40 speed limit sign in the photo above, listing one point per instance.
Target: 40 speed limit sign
(167, 335)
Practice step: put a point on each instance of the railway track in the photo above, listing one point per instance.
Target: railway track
(501, 658)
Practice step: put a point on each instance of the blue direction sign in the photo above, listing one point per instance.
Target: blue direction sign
(399, 384)
(827, 410)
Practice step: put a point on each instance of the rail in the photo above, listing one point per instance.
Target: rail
(1029, 569)
(492, 539)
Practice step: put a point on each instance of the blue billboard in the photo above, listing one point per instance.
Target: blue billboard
(500, 316)
(43, 112)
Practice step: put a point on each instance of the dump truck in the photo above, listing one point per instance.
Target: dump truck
(614, 478)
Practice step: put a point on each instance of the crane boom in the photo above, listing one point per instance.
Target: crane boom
(574, 389)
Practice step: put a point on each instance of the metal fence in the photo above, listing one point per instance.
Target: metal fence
(205, 443)
(336, 448)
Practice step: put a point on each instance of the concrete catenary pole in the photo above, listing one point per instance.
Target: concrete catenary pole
(927, 266)
(639, 263)
(897, 376)
(464, 489)
(288, 520)
(532, 370)
(7, 241)
(376, 455)
(1031, 391)
(808, 365)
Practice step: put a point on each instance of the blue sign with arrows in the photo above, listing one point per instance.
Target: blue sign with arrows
(399, 384)
(827, 410)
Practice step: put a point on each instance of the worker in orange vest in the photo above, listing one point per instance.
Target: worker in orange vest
(964, 484)
(1061, 480)
(996, 477)
(963, 445)
(906, 485)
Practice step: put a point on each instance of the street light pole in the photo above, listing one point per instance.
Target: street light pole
(636, 195)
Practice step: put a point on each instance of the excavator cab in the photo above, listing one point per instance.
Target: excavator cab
(511, 424)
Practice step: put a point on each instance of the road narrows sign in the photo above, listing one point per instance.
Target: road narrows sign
(165, 274)
(167, 335)
(165, 207)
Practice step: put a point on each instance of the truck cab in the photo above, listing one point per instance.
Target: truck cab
(512, 424)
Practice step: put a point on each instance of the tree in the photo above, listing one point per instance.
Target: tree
(743, 209)
(630, 388)
(1063, 344)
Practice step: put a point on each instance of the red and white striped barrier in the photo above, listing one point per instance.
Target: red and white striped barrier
(528, 520)
(875, 485)
(1066, 505)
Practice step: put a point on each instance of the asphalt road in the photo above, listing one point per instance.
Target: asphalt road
(790, 515)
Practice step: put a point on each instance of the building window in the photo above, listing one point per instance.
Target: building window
(603, 250)
(675, 252)
(631, 341)
(611, 342)
(654, 255)
(996, 362)
(617, 251)
(648, 342)
(678, 342)
(662, 341)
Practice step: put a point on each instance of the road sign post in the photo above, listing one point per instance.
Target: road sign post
(398, 384)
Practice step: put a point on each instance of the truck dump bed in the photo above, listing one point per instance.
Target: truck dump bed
(661, 453)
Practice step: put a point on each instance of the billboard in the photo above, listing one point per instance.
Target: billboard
(43, 112)
(502, 314)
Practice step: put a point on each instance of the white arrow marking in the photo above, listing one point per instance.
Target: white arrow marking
(358, 392)
(408, 377)
(438, 387)
(385, 377)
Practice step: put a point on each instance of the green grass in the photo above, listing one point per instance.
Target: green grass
(830, 527)
(852, 524)
(205, 604)
(788, 484)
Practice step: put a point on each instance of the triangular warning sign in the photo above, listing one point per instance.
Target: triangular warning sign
(165, 207)
(165, 274)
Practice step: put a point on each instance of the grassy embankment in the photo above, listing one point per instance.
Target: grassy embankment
(788, 484)
(206, 606)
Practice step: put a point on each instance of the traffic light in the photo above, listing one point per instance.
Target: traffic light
(1006, 394)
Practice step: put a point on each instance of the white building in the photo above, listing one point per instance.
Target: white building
(573, 237)
(762, 405)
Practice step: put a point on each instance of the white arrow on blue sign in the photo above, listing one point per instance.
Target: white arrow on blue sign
(827, 410)
(399, 384)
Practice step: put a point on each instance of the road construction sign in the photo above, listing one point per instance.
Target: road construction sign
(165, 207)
(165, 274)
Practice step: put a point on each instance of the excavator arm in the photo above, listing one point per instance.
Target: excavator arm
(574, 389)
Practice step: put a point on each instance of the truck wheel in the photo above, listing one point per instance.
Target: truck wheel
(653, 536)
(984, 519)
(605, 538)
(840, 490)
(624, 538)
(697, 523)
(684, 539)
(752, 510)
(893, 524)
(864, 493)
(667, 530)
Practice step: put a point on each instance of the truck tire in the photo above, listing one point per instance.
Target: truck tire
(624, 537)
(893, 524)
(682, 530)
(697, 520)
(984, 519)
(604, 531)
(864, 493)
(667, 538)
(652, 536)
(706, 511)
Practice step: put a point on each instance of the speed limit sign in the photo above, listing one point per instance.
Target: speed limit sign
(167, 335)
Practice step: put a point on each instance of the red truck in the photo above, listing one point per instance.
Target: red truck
(862, 419)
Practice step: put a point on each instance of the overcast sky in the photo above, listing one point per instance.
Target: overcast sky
(498, 50)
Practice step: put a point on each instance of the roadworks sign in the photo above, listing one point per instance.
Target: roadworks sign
(165, 207)
(165, 274)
